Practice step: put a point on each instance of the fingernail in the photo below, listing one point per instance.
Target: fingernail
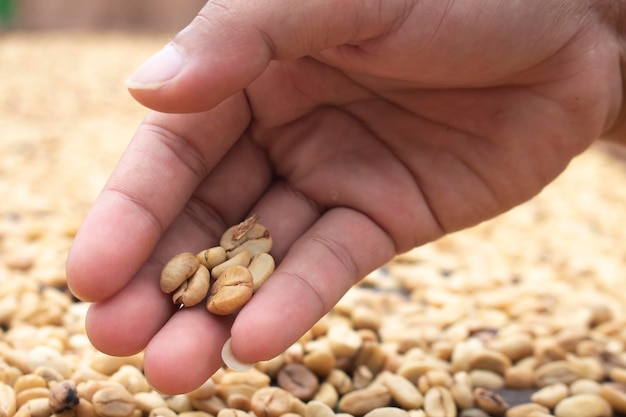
(232, 362)
(157, 70)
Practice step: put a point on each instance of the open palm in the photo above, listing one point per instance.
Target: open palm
(353, 142)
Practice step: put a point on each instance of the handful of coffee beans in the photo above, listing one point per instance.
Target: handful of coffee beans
(229, 273)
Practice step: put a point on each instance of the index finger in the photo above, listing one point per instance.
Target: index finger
(166, 160)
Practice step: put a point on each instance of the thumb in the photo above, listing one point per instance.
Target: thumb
(230, 43)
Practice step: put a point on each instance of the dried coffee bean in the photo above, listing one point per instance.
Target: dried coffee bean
(177, 270)
(237, 396)
(486, 379)
(87, 389)
(318, 409)
(8, 404)
(109, 365)
(362, 401)
(84, 409)
(548, 350)
(28, 394)
(615, 394)
(211, 405)
(600, 313)
(340, 380)
(618, 375)
(231, 412)
(131, 378)
(194, 289)
(414, 369)
(148, 401)
(212, 257)
(364, 317)
(473, 412)
(344, 341)
(490, 402)
(113, 401)
(63, 396)
(362, 377)
(537, 413)
(241, 259)
(261, 267)
(515, 346)
(435, 378)
(461, 390)
(298, 380)
(584, 386)
(193, 413)
(271, 402)
(239, 401)
(294, 353)
(570, 338)
(550, 395)
(370, 355)
(297, 406)
(554, 372)
(256, 246)
(489, 360)
(37, 407)
(161, 412)
(320, 360)
(519, 377)
(230, 291)
(327, 394)
(239, 387)
(47, 356)
(402, 390)
(583, 405)
(48, 374)
(9, 374)
(588, 367)
(523, 410)
(252, 378)
(387, 412)
(181, 404)
(438, 401)
(27, 381)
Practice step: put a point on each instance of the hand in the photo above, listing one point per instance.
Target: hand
(355, 129)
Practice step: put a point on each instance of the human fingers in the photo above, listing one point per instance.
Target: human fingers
(225, 197)
(168, 158)
(182, 346)
(338, 250)
(230, 43)
(199, 339)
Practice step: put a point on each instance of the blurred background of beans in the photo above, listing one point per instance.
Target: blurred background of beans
(524, 312)
(135, 15)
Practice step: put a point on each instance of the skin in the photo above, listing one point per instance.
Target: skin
(356, 130)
